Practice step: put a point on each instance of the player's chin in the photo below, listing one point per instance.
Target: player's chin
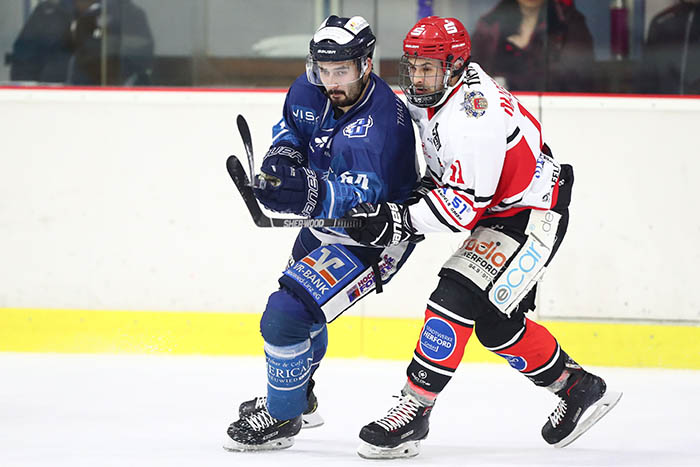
(339, 99)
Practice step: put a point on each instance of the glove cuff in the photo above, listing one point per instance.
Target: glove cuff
(315, 193)
(284, 152)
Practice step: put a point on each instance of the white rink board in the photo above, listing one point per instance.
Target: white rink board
(120, 200)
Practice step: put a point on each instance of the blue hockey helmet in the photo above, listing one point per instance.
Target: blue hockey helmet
(340, 39)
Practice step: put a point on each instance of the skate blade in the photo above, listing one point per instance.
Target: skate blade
(311, 420)
(235, 446)
(404, 450)
(602, 407)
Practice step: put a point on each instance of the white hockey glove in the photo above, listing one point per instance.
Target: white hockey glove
(386, 224)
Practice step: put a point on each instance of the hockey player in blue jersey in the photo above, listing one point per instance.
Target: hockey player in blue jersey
(344, 138)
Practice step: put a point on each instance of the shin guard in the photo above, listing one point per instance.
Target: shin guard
(319, 344)
(534, 352)
(440, 348)
(288, 373)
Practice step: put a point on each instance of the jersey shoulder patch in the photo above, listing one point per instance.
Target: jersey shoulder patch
(475, 104)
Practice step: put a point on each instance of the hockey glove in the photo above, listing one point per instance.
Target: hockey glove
(386, 224)
(295, 190)
(426, 184)
(283, 155)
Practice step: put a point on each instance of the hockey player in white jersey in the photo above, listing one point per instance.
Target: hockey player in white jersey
(491, 175)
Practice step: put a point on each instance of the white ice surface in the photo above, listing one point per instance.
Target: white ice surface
(101, 410)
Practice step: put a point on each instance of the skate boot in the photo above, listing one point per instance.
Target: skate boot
(260, 431)
(310, 418)
(581, 393)
(399, 432)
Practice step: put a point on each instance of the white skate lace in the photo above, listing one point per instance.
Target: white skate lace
(260, 402)
(558, 414)
(258, 421)
(401, 414)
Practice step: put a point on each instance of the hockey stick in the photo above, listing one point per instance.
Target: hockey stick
(244, 131)
(240, 179)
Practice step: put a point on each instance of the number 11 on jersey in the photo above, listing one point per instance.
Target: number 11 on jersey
(456, 176)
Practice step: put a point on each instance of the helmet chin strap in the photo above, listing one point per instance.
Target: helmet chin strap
(447, 88)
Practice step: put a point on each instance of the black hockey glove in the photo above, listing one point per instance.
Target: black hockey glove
(426, 184)
(386, 224)
(295, 190)
(283, 155)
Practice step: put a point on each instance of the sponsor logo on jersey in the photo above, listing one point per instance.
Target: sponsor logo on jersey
(437, 339)
(321, 141)
(359, 128)
(283, 373)
(475, 104)
(366, 283)
(460, 210)
(472, 77)
(519, 363)
(323, 270)
(304, 114)
(527, 261)
(435, 140)
(483, 256)
(485, 253)
(385, 267)
(354, 294)
(325, 265)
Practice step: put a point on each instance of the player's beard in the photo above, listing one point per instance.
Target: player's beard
(341, 98)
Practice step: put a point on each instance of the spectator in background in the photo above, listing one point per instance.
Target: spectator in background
(129, 44)
(43, 47)
(536, 45)
(672, 52)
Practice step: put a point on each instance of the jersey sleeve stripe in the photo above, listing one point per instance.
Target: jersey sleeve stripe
(439, 216)
(510, 202)
(513, 135)
(279, 135)
(446, 210)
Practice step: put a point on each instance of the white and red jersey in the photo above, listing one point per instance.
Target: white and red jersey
(483, 149)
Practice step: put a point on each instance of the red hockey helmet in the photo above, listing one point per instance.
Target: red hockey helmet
(443, 39)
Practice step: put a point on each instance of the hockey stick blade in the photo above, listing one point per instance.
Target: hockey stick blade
(240, 179)
(244, 131)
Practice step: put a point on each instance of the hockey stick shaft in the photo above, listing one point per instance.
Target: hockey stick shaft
(244, 131)
(237, 172)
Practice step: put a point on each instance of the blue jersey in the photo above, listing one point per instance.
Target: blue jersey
(366, 155)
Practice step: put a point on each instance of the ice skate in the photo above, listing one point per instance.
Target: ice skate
(260, 431)
(310, 418)
(398, 433)
(585, 399)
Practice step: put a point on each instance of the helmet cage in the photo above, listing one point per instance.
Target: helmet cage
(443, 88)
(442, 39)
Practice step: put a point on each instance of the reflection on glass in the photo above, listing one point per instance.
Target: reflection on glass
(43, 48)
(616, 46)
(84, 42)
(672, 52)
(112, 44)
(535, 45)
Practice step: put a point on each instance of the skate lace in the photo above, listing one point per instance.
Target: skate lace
(261, 420)
(260, 402)
(558, 414)
(400, 415)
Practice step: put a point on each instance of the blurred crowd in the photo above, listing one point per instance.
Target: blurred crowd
(64, 41)
(529, 45)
